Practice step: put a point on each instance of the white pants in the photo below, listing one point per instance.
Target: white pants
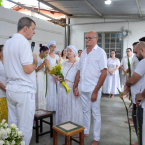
(123, 79)
(143, 129)
(95, 106)
(21, 109)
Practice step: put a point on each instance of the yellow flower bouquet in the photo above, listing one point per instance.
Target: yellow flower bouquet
(57, 70)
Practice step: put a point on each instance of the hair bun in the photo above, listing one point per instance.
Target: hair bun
(40, 45)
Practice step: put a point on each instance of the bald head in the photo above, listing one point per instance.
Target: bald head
(140, 50)
(91, 39)
(141, 45)
(94, 34)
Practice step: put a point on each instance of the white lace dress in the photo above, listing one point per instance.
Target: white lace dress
(41, 86)
(69, 108)
(112, 82)
(51, 86)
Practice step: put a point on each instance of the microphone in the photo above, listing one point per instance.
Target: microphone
(32, 46)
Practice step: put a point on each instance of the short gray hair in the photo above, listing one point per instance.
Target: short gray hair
(24, 21)
(96, 34)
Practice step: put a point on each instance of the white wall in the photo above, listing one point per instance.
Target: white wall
(136, 31)
(45, 31)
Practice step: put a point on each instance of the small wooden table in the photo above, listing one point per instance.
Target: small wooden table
(68, 129)
(41, 114)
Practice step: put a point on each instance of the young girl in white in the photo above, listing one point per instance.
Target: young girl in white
(42, 65)
(51, 79)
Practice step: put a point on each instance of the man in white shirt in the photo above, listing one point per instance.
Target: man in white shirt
(140, 97)
(79, 55)
(20, 65)
(91, 76)
(136, 82)
(124, 66)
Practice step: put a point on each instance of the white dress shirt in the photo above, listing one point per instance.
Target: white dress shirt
(90, 66)
(141, 71)
(124, 62)
(17, 52)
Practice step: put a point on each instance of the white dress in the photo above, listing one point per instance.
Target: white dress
(112, 82)
(69, 108)
(41, 86)
(51, 86)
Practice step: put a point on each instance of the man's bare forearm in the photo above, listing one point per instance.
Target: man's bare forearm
(77, 79)
(101, 80)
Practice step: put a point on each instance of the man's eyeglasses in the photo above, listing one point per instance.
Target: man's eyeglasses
(127, 51)
(89, 38)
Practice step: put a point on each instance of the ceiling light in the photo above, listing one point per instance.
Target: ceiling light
(108, 2)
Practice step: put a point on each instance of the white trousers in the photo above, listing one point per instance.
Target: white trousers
(95, 106)
(21, 109)
(143, 129)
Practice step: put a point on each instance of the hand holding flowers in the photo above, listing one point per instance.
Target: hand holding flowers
(57, 72)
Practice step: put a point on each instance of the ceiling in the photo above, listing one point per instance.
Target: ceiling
(97, 8)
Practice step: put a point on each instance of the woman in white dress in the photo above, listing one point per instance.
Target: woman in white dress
(112, 81)
(69, 107)
(41, 77)
(51, 79)
(58, 52)
(63, 56)
(3, 101)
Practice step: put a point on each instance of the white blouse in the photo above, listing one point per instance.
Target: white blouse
(2, 79)
(70, 73)
(52, 61)
(39, 62)
(113, 63)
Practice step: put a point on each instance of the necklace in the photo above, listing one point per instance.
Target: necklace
(70, 68)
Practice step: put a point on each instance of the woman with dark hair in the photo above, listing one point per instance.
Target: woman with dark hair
(42, 65)
(112, 81)
(63, 56)
(3, 102)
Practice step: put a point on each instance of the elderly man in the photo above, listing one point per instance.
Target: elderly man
(91, 76)
(20, 65)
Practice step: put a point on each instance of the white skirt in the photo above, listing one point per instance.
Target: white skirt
(111, 83)
(51, 94)
(41, 90)
(69, 108)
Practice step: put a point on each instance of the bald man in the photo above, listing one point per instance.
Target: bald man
(92, 72)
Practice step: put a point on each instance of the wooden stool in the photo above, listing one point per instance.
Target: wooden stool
(68, 129)
(40, 114)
